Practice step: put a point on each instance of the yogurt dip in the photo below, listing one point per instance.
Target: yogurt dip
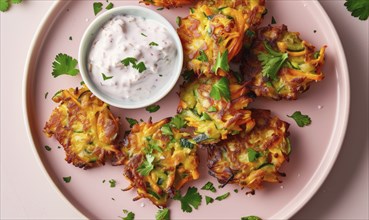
(131, 57)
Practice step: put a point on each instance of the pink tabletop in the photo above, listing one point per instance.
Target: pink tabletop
(26, 193)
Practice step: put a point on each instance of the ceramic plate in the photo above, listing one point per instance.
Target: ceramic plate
(315, 147)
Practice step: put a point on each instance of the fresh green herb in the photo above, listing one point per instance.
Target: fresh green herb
(5, 4)
(140, 67)
(131, 122)
(188, 74)
(143, 34)
(177, 122)
(97, 7)
(146, 167)
(358, 8)
(192, 199)
(205, 117)
(222, 197)
(221, 62)
(129, 60)
(252, 154)
(47, 93)
(152, 108)
(250, 33)
(235, 190)
(130, 215)
(153, 147)
(162, 214)
(82, 83)
(212, 109)
(251, 217)
(239, 77)
(221, 8)
(166, 130)
(153, 44)
(160, 9)
(112, 183)
(271, 61)
(301, 120)
(57, 93)
(192, 10)
(221, 89)
(178, 20)
(48, 148)
(273, 20)
(202, 57)
(64, 65)
(208, 200)
(109, 6)
(209, 186)
(316, 54)
(185, 143)
(106, 77)
(67, 179)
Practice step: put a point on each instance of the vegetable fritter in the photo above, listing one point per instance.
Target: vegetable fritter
(168, 3)
(251, 158)
(280, 65)
(213, 33)
(84, 126)
(214, 108)
(160, 160)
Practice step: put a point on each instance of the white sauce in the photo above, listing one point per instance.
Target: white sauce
(129, 36)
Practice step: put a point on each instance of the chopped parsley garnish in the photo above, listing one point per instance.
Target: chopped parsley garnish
(251, 217)
(112, 183)
(358, 8)
(152, 108)
(64, 65)
(160, 9)
(235, 190)
(48, 148)
(131, 121)
(240, 78)
(221, 89)
(67, 179)
(145, 168)
(212, 109)
(143, 34)
(273, 21)
(97, 7)
(271, 61)
(208, 200)
(109, 6)
(153, 44)
(106, 77)
(82, 83)
(300, 119)
(162, 214)
(178, 20)
(5, 4)
(222, 197)
(166, 130)
(202, 56)
(192, 199)
(177, 122)
(252, 154)
(47, 93)
(205, 117)
(192, 10)
(140, 66)
(221, 62)
(209, 186)
(130, 215)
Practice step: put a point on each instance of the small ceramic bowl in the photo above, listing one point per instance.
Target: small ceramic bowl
(89, 37)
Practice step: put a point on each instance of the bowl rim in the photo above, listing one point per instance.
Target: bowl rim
(89, 36)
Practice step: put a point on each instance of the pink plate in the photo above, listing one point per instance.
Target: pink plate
(314, 151)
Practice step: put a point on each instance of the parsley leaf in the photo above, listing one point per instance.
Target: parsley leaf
(222, 197)
(205, 117)
(106, 77)
(152, 108)
(301, 120)
(252, 154)
(273, 20)
(130, 215)
(47, 148)
(131, 121)
(64, 65)
(221, 62)
(112, 183)
(140, 67)
(4, 5)
(251, 217)
(208, 200)
(67, 179)
(271, 61)
(202, 56)
(162, 214)
(178, 20)
(221, 89)
(212, 109)
(191, 199)
(16, 1)
(109, 6)
(358, 8)
(97, 7)
(166, 130)
(209, 186)
(153, 44)
(177, 122)
(128, 60)
(146, 167)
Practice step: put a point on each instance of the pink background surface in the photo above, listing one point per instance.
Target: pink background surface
(26, 193)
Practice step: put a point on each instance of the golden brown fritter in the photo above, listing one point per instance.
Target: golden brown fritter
(302, 64)
(168, 3)
(214, 108)
(251, 158)
(213, 33)
(160, 159)
(84, 126)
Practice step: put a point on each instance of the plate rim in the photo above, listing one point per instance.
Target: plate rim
(294, 205)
